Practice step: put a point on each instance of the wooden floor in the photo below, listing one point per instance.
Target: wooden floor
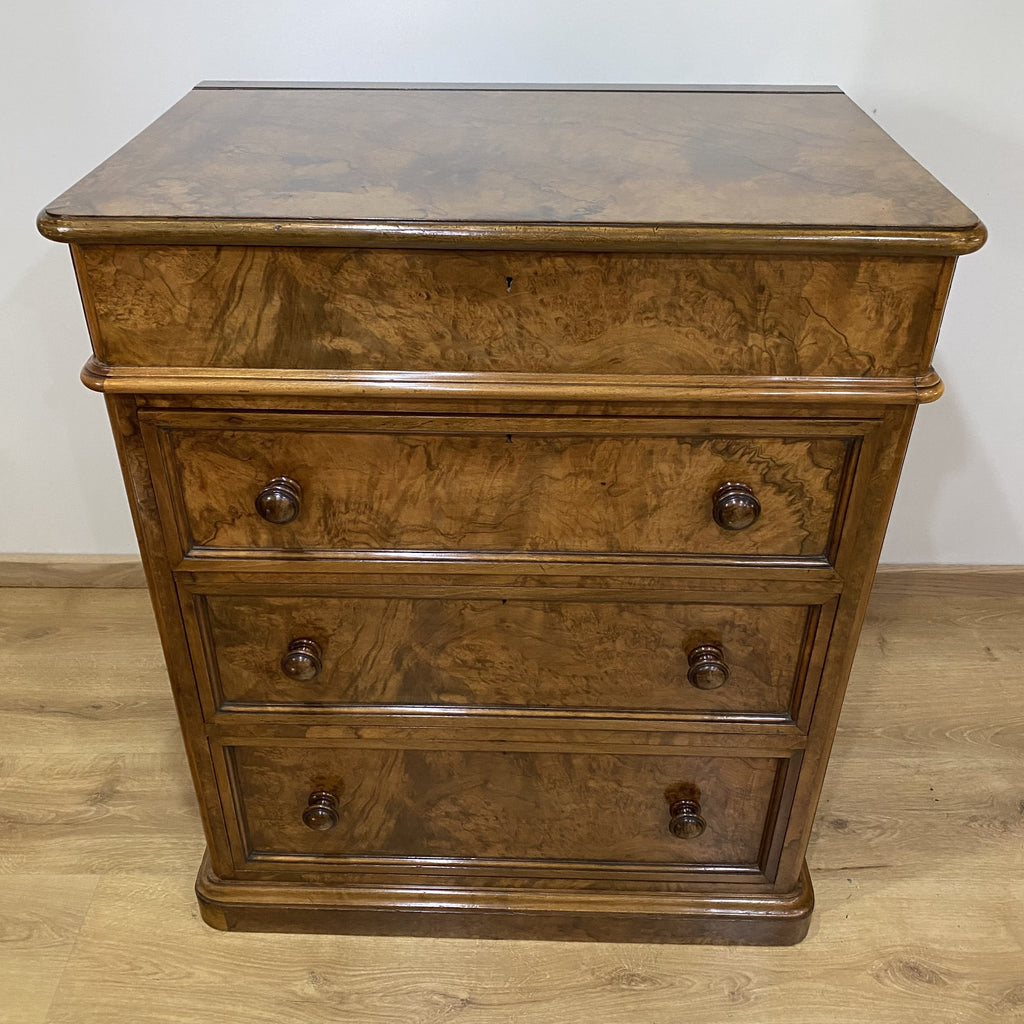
(918, 853)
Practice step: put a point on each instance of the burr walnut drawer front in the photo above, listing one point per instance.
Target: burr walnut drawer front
(294, 484)
(489, 806)
(624, 652)
(509, 312)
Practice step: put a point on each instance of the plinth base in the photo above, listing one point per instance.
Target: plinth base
(733, 918)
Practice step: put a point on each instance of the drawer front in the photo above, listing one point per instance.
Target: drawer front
(498, 807)
(508, 312)
(655, 657)
(510, 486)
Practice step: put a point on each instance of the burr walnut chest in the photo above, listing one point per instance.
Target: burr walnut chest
(510, 466)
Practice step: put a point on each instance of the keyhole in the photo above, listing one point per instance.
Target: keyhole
(508, 284)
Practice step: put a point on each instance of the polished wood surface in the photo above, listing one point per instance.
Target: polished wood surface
(560, 652)
(525, 392)
(701, 915)
(340, 165)
(505, 485)
(919, 893)
(689, 351)
(593, 313)
(486, 811)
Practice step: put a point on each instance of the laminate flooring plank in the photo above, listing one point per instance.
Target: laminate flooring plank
(929, 754)
(82, 669)
(99, 814)
(867, 959)
(917, 858)
(39, 922)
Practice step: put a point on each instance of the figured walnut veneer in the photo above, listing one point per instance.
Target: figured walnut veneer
(630, 653)
(510, 466)
(495, 166)
(501, 485)
(499, 805)
(644, 313)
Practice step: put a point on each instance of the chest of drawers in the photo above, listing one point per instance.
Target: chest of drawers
(510, 466)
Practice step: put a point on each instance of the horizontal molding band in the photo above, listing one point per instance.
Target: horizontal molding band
(537, 867)
(71, 570)
(537, 898)
(171, 380)
(554, 237)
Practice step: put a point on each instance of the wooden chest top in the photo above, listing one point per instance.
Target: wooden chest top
(550, 167)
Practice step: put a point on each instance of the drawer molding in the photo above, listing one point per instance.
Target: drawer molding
(506, 487)
(509, 388)
(542, 650)
(706, 915)
(496, 810)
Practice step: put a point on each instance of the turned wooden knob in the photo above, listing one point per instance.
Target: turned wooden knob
(321, 813)
(279, 502)
(685, 821)
(302, 661)
(708, 670)
(735, 507)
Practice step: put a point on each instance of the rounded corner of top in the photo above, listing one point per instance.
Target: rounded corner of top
(51, 225)
(975, 237)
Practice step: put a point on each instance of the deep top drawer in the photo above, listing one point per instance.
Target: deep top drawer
(318, 484)
(510, 312)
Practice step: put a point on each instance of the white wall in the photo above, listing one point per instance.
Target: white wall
(944, 77)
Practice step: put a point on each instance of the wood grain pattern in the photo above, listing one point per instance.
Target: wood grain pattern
(565, 404)
(918, 968)
(499, 805)
(901, 976)
(156, 558)
(506, 652)
(721, 915)
(379, 309)
(86, 814)
(117, 571)
(38, 927)
(430, 162)
(913, 922)
(55, 628)
(526, 490)
(383, 391)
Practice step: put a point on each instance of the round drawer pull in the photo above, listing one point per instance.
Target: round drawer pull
(735, 507)
(280, 501)
(685, 821)
(303, 661)
(708, 670)
(321, 814)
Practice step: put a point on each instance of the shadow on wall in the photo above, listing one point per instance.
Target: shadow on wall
(56, 437)
(951, 488)
(959, 499)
